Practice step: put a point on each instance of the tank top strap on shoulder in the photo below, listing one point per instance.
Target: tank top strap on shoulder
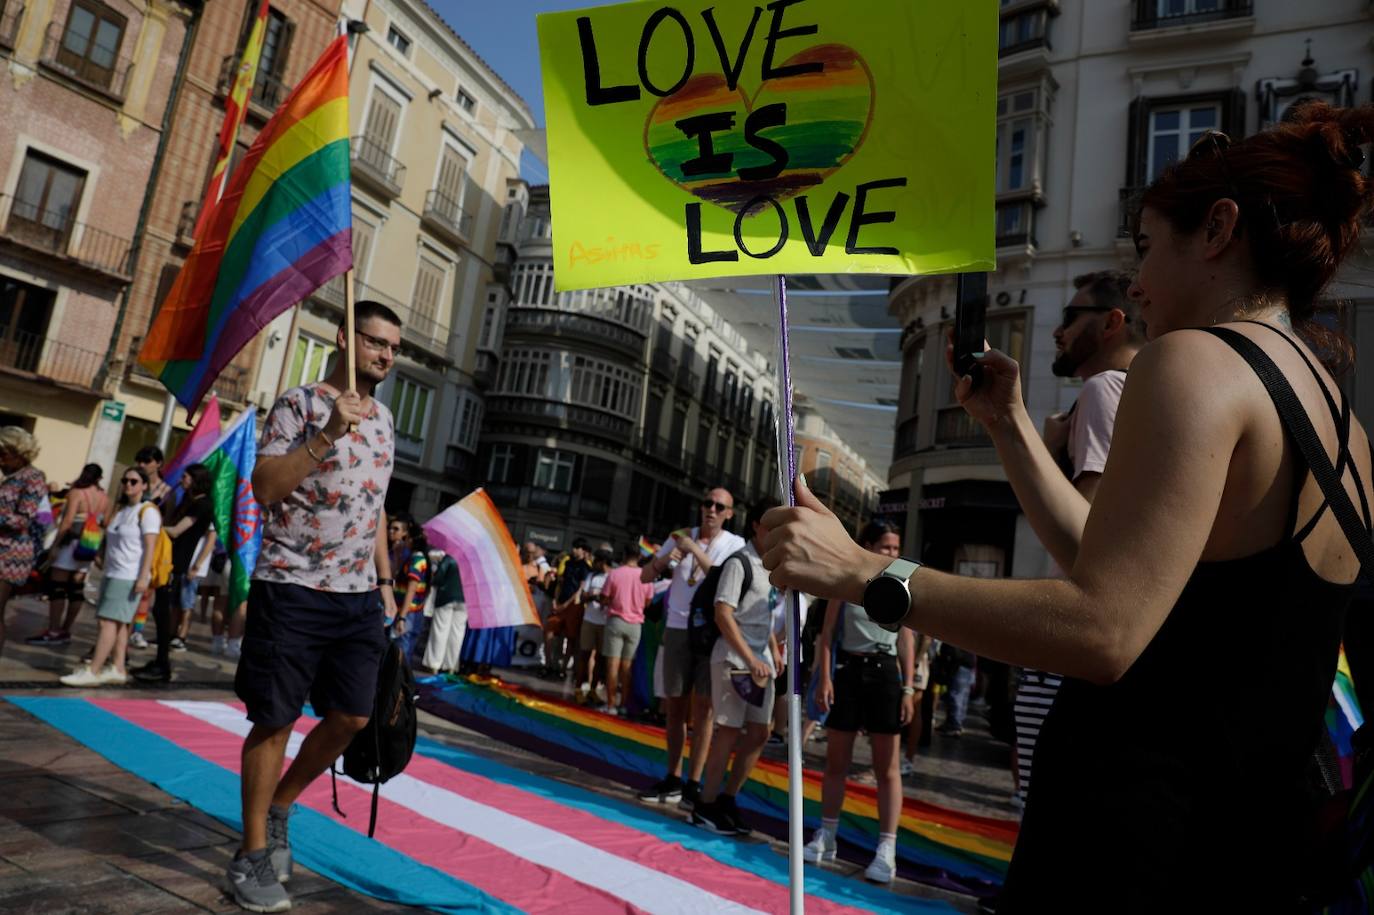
(1340, 416)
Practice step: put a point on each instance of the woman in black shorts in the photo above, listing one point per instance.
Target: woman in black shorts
(864, 681)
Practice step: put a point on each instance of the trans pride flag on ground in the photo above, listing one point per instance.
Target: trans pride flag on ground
(283, 229)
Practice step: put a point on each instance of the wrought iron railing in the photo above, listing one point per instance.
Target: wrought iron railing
(442, 209)
(50, 359)
(57, 232)
(96, 68)
(371, 160)
(1162, 14)
(268, 90)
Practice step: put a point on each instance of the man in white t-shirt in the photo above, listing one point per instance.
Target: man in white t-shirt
(1098, 336)
(689, 554)
(593, 624)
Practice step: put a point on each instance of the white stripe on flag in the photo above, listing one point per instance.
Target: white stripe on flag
(638, 885)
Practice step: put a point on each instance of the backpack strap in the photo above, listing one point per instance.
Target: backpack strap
(1299, 427)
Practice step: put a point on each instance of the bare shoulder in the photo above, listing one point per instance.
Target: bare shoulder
(1188, 373)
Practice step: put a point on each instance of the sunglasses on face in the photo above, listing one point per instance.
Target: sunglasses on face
(132, 481)
(708, 504)
(1071, 312)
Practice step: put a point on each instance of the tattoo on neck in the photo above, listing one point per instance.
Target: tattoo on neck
(1285, 319)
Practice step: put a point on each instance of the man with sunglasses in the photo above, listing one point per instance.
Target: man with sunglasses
(687, 677)
(320, 591)
(1098, 335)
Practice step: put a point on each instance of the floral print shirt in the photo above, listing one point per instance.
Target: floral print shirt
(324, 534)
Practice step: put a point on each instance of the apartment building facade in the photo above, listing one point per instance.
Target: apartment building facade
(836, 473)
(611, 411)
(86, 90)
(435, 157)
(1095, 99)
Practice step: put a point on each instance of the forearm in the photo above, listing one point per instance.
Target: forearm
(906, 655)
(653, 569)
(729, 630)
(382, 554)
(1056, 510)
(206, 551)
(145, 564)
(275, 478)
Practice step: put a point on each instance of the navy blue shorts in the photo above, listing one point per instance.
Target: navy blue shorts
(302, 643)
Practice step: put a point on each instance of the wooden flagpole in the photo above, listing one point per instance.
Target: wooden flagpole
(350, 350)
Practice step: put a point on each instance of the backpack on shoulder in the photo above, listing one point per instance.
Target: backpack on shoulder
(382, 749)
(702, 630)
(160, 570)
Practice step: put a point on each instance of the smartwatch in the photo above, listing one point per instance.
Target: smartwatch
(887, 596)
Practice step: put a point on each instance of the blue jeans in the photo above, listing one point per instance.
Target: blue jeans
(956, 697)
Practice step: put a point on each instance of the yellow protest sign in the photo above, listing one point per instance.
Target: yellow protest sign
(802, 136)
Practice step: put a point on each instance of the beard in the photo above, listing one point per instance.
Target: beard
(1080, 351)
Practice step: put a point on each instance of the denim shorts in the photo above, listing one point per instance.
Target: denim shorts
(302, 643)
(188, 592)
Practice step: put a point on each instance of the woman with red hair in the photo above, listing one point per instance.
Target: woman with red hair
(1200, 623)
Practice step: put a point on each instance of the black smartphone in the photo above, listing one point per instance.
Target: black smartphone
(970, 324)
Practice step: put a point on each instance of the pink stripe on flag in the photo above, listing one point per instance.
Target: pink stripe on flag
(508, 877)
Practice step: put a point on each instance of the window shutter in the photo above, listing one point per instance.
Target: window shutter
(382, 118)
(451, 170)
(1137, 136)
(288, 31)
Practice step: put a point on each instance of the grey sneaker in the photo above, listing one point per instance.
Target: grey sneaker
(278, 845)
(254, 885)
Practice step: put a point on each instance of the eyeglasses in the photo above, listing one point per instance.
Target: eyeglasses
(131, 481)
(708, 504)
(1071, 312)
(380, 345)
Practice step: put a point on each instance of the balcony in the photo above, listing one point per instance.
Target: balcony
(1162, 18)
(107, 75)
(687, 380)
(548, 500)
(660, 448)
(1016, 226)
(9, 24)
(547, 323)
(561, 415)
(663, 363)
(268, 90)
(39, 358)
(445, 218)
(424, 332)
(955, 428)
(374, 167)
(711, 397)
(905, 442)
(56, 234)
(235, 383)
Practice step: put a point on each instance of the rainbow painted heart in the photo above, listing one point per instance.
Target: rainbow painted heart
(828, 115)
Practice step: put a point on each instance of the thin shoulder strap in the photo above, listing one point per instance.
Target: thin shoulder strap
(1341, 417)
(1299, 428)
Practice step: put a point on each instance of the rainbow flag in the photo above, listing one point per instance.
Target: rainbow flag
(238, 517)
(1344, 718)
(235, 107)
(474, 534)
(283, 228)
(196, 447)
(646, 548)
(460, 832)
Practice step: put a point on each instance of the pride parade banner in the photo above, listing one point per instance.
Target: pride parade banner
(459, 833)
(807, 136)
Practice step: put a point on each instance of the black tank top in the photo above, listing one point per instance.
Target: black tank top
(1183, 786)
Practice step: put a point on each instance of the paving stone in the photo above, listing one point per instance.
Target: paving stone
(45, 799)
(135, 835)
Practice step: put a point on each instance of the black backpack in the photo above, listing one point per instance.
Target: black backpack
(382, 749)
(702, 630)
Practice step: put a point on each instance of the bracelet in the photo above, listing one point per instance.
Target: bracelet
(908, 690)
(311, 451)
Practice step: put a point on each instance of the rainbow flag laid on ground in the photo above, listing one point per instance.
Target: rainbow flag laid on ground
(473, 533)
(283, 228)
(458, 832)
(196, 447)
(935, 845)
(238, 517)
(235, 108)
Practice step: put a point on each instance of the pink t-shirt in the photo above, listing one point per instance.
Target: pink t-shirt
(624, 595)
(1090, 429)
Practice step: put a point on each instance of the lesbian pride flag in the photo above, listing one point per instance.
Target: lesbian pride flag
(457, 832)
(283, 229)
(474, 534)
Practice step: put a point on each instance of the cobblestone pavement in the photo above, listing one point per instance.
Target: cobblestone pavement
(80, 835)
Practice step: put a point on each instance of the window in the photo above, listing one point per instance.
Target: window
(467, 421)
(605, 386)
(822, 459)
(24, 314)
(466, 102)
(501, 466)
(46, 199)
(1167, 8)
(309, 361)
(526, 372)
(1022, 31)
(383, 118)
(410, 407)
(448, 186)
(363, 234)
(429, 286)
(276, 43)
(90, 44)
(1019, 128)
(554, 470)
(397, 40)
(1173, 131)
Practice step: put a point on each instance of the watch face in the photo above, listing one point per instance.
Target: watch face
(886, 600)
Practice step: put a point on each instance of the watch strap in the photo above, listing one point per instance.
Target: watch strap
(901, 568)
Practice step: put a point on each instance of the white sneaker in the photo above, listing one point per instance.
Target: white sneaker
(907, 767)
(82, 676)
(136, 640)
(233, 649)
(882, 869)
(111, 677)
(821, 847)
(217, 646)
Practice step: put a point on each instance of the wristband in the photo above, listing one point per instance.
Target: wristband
(908, 690)
(386, 581)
